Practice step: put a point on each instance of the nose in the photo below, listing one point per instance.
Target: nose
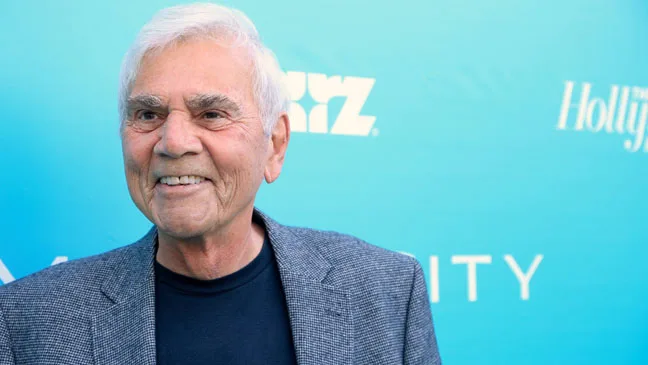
(178, 137)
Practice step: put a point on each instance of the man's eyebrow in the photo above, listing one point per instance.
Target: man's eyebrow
(144, 101)
(207, 101)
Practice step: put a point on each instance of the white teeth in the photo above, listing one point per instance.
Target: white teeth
(184, 180)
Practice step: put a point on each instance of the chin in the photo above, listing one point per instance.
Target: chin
(181, 228)
(182, 233)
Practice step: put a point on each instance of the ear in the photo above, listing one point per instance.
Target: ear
(277, 148)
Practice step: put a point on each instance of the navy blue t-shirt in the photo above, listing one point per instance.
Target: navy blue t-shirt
(240, 318)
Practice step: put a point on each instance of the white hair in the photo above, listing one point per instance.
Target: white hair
(204, 20)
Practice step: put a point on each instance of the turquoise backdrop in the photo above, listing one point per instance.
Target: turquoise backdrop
(502, 143)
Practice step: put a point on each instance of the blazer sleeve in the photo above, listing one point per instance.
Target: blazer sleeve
(6, 354)
(420, 339)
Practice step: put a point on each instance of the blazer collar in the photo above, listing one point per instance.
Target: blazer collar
(125, 332)
(132, 274)
(293, 255)
(320, 313)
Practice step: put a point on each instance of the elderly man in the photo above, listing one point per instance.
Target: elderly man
(204, 122)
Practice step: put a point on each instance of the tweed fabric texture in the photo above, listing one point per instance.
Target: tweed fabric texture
(349, 303)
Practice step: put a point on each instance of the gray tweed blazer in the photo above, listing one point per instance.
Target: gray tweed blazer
(348, 303)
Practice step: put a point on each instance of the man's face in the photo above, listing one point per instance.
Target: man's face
(193, 143)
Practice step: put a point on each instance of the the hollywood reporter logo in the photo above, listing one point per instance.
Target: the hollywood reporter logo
(323, 88)
(624, 112)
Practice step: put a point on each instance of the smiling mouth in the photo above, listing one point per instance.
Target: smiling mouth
(181, 180)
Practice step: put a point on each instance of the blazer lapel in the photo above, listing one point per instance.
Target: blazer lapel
(320, 313)
(125, 332)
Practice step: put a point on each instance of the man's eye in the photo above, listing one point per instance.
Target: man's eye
(145, 115)
(212, 115)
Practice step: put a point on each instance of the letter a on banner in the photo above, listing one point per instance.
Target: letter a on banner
(5, 275)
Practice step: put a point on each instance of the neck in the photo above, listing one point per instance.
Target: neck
(215, 255)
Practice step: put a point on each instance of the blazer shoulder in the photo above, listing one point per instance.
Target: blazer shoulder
(352, 254)
(67, 278)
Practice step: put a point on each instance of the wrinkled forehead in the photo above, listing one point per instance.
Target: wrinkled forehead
(196, 65)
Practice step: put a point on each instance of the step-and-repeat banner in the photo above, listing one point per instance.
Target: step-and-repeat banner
(502, 143)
